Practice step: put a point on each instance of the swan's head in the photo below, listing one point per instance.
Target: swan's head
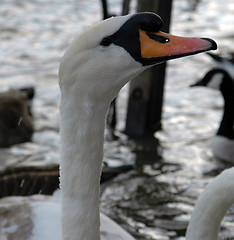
(109, 54)
(218, 79)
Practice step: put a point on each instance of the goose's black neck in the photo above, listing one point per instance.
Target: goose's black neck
(227, 90)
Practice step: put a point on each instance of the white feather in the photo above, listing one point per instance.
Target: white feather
(211, 207)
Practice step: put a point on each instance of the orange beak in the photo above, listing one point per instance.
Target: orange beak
(165, 46)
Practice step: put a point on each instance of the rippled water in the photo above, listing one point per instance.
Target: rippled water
(155, 200)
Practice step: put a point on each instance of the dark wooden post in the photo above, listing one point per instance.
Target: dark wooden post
(125, 7)
(112, 114)
(146, 91)
(104, 9)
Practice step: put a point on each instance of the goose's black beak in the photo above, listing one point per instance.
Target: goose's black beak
(159, 47)
(197, 84)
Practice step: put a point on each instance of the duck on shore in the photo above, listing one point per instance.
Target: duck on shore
(16, 123)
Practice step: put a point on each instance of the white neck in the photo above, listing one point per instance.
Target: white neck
(82, 137)
(211, 207)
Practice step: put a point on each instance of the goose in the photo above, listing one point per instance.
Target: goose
(211, 207)
(92, 71)
(224, 62)
(222, 144)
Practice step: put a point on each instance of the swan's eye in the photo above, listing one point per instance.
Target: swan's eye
(106, 41)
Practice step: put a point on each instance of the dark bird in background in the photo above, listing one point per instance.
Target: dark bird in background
(16, 121)
(223, 143)
(224, 61)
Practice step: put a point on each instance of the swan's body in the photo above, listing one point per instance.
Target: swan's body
(211, 207)
(95, 67)
(222, 144)
(38, 218)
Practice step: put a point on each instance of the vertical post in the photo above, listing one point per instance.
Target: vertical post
(104, 9)
(125, 7)
(146, 91)
(112, 114)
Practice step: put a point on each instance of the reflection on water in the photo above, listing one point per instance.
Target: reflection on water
(155, 200)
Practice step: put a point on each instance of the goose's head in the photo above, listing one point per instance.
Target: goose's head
(109, 54)
(218, 79)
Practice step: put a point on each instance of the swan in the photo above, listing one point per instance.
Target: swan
(92, 71)
(211, 207)
(222, 144)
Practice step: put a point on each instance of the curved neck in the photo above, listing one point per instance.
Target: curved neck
(226, 125)
(82, 137)
(211, 207)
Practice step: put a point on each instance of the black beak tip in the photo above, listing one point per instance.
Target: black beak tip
(193, 85)
(212, 42)
(197, 84)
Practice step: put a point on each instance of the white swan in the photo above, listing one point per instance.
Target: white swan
(211, 207)
(95, 67)
(222, 144)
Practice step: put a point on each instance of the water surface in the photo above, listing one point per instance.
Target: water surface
(155, 200)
